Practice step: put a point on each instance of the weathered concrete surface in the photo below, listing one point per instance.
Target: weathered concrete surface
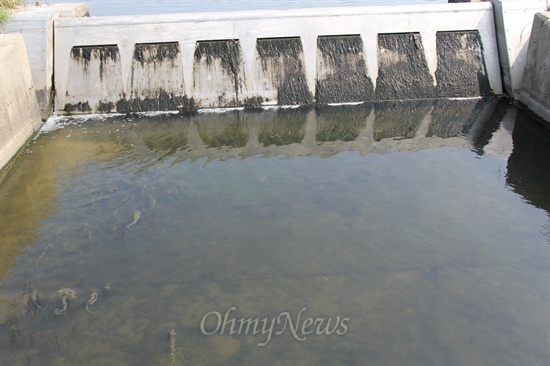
(281, 57)
(513, 20)
(462, 71)
(218, 73)
(100, 79)
(19, 113)
(535, 87)
(282, 75)
(342, 75)
(157, 78)
(403, 70)
(35, 23)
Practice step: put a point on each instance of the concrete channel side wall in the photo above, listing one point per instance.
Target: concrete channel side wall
(513, 20)
(35, 23)
(19, 112)
(138, 63)
(535, 90)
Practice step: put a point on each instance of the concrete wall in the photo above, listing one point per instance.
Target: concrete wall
(535, 89)
(19, 113)
(513, 19)
(159, 62)
(35, 23)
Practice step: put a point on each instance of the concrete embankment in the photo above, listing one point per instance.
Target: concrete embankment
(535, 92)
(19, 112)
(284, 57)
(36, 24)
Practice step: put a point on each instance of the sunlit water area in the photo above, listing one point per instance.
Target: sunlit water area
(402, 233)
(135, 7)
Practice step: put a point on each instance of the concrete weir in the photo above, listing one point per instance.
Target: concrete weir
(281, 57)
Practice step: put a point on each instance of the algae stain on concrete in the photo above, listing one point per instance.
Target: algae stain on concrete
(156, 52)
(403, 70)
(210, 81)
(341, 71)
(80, 107)
(104, 54)
(163, 102)
(461, 69)
(283, 71)
(94, 72)
(156, 79)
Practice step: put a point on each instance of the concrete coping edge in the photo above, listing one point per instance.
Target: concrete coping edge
(270, 14)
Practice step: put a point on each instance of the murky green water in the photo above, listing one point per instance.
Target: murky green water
(424, 224)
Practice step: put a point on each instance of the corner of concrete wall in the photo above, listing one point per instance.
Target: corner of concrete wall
(513, 19)
(19, 112)
(35, 23)
(535, 89)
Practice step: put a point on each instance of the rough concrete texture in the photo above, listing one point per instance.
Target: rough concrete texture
(342, 75)
(282, 74)
(19, 112)
(35, 23)
(535, 87)
(403, 70)
(461, 71)
(281, 56)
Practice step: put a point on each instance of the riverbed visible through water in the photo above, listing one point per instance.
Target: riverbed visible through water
(379, 234)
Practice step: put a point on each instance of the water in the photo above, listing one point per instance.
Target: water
(132, 7)
(425, 224)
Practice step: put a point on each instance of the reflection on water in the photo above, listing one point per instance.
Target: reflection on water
(420, 222)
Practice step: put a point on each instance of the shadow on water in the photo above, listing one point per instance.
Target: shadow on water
(529, 164)
(419, 221)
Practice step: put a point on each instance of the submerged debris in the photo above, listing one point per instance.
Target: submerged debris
(35, 300)
(137, 216)
(172, 342)
(65, 295)
(93, 298)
